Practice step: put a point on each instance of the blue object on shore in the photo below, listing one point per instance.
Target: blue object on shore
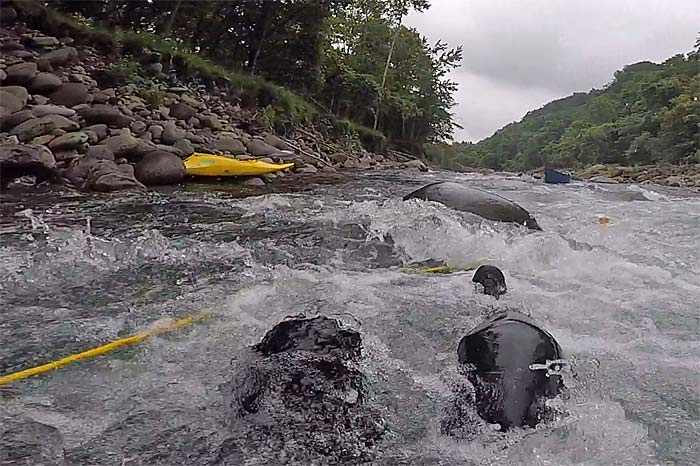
(555, 177)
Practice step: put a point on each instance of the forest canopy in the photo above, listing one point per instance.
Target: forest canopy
(649, 113)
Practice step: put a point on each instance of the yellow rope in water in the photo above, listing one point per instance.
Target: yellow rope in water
(99, 351)
(444, 268)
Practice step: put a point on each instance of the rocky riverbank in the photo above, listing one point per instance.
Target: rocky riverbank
(677, 176)
(666, 175)
(68, 114)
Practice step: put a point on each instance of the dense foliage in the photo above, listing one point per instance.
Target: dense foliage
(649, 113)
(352, 59)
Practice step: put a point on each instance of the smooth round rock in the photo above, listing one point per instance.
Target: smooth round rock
(159, 168)
(21, 73)
(10, 101)
(45, 83)
(58, 57)
(68, 141)
(70, 94)
(43, 110)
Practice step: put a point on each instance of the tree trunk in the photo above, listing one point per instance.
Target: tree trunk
(262, 31)
(386, 70)
(171, 20)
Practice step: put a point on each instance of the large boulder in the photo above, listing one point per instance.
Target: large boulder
(160, 168)
(181, 111)
(185, 146)
(10, 101)
(106, 114)
(253, 181)
(156, 131)
(18, 91)
(417, 164)
(307, 170)
(21, 73)
(301, 389)
(143, 147)
(43, 41)
(192, 102)
(22, 54)
(104, 96)
(614, 172)
(100, 152)
(45, 83)
(68, 141)
(10, 121)
(18, 160)
(101, 130)
(70, 94)
(60, 57)
(43, 110)
(261, 148)
(277, 142)
(10, 45)
(226, 144)
(209, 121)
(171, 134)
(121, 145)
(33, 128)
(63, 123)
(138, 127)
(339, 158)
(107, 176)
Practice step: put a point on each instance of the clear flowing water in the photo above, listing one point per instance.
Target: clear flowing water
(621, 298)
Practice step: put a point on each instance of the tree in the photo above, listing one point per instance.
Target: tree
(649, 113)
(354, 59)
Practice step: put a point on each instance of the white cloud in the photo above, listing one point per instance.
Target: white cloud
(520, 54)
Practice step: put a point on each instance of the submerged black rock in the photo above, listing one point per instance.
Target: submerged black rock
(302, 396)
(28, 442)
(497, 355)
(476, 201)
(492, 279)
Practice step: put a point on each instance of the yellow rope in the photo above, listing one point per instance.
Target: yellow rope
(99, 350)
(444, 268)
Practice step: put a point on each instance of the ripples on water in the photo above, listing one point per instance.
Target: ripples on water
(621, 298)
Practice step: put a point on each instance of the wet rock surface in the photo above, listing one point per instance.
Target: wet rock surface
(18, 160)
(302, 395)
(27, 442)
(159, 168)
(53, 86)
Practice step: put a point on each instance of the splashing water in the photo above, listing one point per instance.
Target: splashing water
(621, 298)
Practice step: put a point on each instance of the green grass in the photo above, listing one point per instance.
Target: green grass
(286, 107)
(152, 97)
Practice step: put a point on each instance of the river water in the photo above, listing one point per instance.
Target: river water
(622, 299)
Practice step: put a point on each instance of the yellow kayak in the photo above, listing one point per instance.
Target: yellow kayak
(217, 165)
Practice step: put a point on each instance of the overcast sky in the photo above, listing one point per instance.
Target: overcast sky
(520, 54)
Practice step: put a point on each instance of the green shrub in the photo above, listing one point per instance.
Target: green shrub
(153, 97)
(372, 140)
(343, 128)
(123, 72)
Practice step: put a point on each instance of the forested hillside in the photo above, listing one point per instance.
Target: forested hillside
(648, 114)
(352, 61)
